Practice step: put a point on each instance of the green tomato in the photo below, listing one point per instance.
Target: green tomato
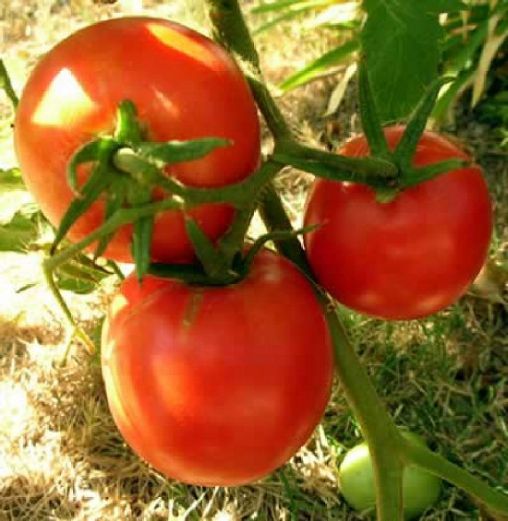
(356, 477)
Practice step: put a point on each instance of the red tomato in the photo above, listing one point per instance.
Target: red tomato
(184, 87)
(218, 386)
(407, 258)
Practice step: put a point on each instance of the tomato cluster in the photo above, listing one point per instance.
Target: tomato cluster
(220, 385)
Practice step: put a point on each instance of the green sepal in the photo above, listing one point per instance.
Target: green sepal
(115, 200)
(173, 152)
(214, 264)
(371, 122)
(92, 151)
(128, 130)
(415, 127)
(80, 275)
(277, 235)
(188, 273)
(419, 175)
(98, 181)
(142, 244)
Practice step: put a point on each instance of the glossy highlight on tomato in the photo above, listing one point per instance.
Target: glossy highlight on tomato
(184, 87)
(407, 258)
(218, 385)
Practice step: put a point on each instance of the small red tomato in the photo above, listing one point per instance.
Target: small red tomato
(407, 258)
(218, 385)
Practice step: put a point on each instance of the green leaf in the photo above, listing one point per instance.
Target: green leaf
(80, 275)
(443, 6)
(323, 63)
(21, 230)
(279, 5)
(179, 151)
(460, 55)
(11, 176)
(13, 194)
(401, 44)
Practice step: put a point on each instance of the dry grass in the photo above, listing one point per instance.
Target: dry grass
(61, 457)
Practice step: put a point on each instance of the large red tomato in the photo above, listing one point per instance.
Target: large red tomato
(184, 87)
(218, 386)
(409, 257)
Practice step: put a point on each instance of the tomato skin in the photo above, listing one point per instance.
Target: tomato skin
(407, 258)
(218, 386)
(184, 87)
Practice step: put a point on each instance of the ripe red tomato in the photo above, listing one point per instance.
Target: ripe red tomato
(184, 87)
(218, 385)
(407, 258)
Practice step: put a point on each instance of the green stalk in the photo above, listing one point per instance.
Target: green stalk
(121, 217)
(232, 32)
(369, 170)
(77, 332)
(414, 454)
(6, 85)
(377, 426)
(239, 194)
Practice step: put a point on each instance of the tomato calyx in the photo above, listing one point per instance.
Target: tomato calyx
(387, 172)
(216, 267)
(402, 157)
(126, 170)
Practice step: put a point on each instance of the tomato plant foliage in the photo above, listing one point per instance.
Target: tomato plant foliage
(184, 87)
(218, 386)
(401, 43)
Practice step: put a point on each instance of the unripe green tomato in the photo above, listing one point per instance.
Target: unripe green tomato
(356, 477)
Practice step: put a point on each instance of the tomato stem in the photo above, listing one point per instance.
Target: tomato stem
(6, 85)
(121, 217)
(77, 332)
(230, 30)
(389, 451)
(238, 194)
(373, 171)
(377, 426)
(415, 454)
